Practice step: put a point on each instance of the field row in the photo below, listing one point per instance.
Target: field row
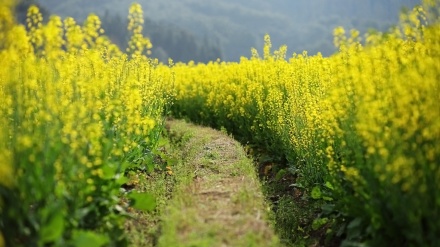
(360, 130)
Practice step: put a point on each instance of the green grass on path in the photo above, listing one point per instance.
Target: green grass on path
(207, 193)
(218, 199)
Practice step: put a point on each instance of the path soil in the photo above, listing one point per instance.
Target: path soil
(221, 202)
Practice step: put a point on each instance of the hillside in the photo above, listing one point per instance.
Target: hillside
(239, 25)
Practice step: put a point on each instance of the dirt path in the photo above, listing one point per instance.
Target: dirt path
(218, 200)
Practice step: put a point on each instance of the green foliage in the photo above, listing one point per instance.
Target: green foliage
(143, 201)
(89, 239)
(318, 223)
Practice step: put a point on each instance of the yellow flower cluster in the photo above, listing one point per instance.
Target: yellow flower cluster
(383, 96)
(82, 95)
(138, 44)
(366, 118)
(72, 109)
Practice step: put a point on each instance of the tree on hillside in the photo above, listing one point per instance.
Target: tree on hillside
(168, 41)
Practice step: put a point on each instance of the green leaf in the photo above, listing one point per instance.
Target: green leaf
(280, 174)
(163, 142)
(147, 163)
(316, 193)
(329, 185)
(355, 223)
(327, 198)
(143, 201)
(172, 161)
(109, 170)
(53, 229)
(121, 179)
(297, 185)
(327, 208)
(354, 228)
(341, 230)
(80, 213)
(123, 166)
(150, 167)
(317, 223)
(83, 238)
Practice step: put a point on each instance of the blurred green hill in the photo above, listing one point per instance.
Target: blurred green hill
(229, 28)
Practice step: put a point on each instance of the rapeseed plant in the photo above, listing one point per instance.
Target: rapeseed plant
(138, 44)
(74, 112)
(363, 123)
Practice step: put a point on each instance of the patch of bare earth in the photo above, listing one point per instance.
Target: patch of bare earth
(222, 204)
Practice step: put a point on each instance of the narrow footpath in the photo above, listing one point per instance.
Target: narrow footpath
(218, 199)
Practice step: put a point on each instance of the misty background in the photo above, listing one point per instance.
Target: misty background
(204, 30)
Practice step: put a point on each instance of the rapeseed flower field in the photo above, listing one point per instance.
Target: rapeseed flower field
(360, 129)
(74, 111)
